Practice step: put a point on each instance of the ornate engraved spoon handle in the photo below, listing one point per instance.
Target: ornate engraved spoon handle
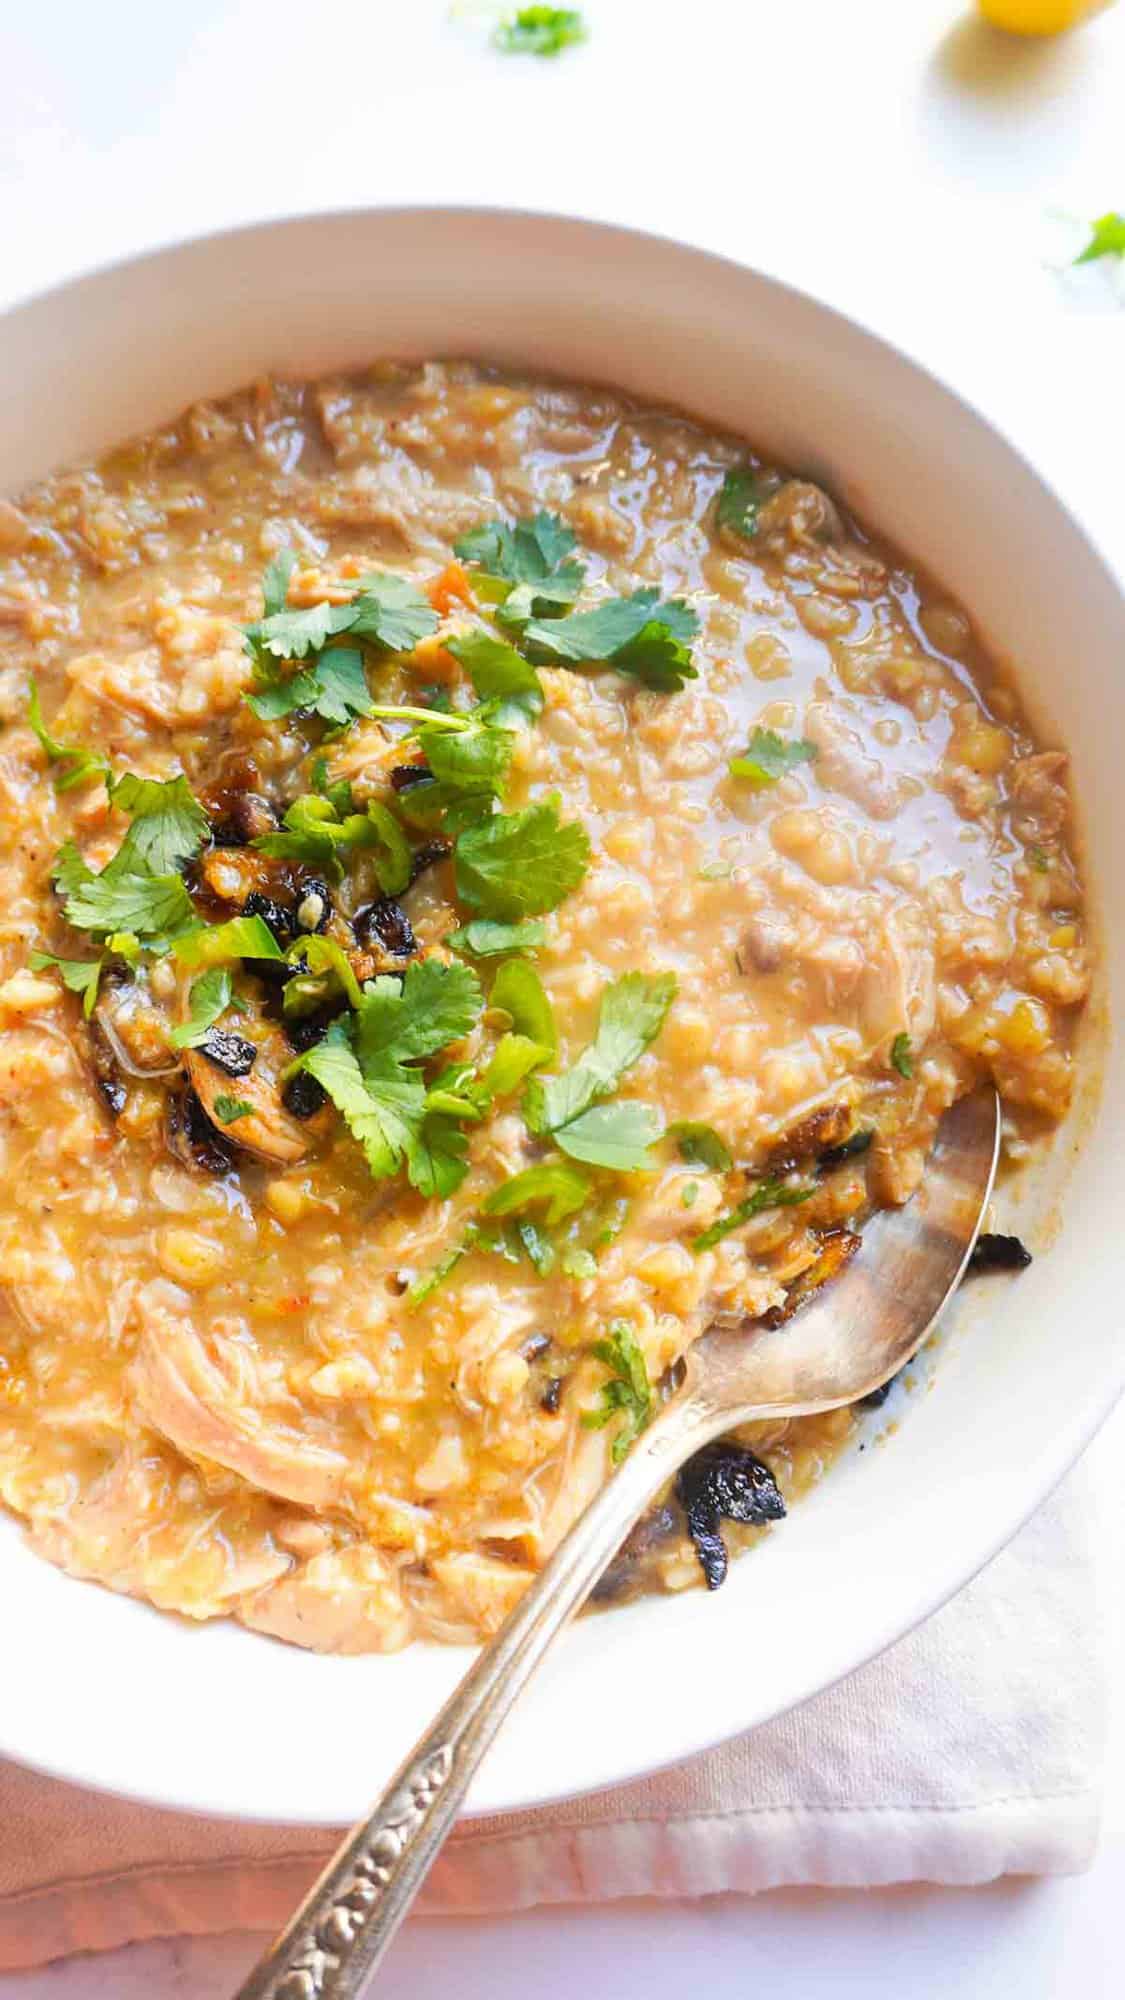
(340, 1933)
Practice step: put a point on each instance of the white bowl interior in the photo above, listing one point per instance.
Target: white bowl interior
(216, 1719)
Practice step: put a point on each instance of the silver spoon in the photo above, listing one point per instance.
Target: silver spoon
(849, 1340)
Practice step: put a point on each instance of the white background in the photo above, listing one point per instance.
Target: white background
(891, 155)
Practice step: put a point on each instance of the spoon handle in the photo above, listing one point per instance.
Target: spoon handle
(338, 1937)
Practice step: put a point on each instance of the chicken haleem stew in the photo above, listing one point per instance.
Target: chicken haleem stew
(494, 879)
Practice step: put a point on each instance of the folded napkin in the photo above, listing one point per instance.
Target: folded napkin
(972, 1749)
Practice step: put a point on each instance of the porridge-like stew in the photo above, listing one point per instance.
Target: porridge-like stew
(493, 878)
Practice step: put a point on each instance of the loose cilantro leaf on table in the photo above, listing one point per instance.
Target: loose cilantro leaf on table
(520, 864)
(611, 1135)
(540, 31)
(738, 503)
(78, 975)
(631, 1016)
(78, 763)
(627, 1393)
(209, 998)
(533, 559)
(769, 756)
(902, 1057)
(1107, 239)
(642, 635)
(485, 938)
(563, 1190)
(700, 1145)
(767, 1194)
(228, 1109)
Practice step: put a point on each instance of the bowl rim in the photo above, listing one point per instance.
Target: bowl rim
(1098, 1394)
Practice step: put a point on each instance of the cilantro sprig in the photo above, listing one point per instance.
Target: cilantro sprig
(388, 612)
(72, 763)
(520, 864)
(630, 1017)
(530, 564)
(78, 975)
(627, 1393)
(769, 756)
(641, 635)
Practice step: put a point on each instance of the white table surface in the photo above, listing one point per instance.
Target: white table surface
(892, 156)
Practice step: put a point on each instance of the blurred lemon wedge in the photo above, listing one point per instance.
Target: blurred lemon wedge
(1037, 17)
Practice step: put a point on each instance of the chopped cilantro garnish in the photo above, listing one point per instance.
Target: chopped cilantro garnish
(540, 31)
(518, 989)
(387, 611)
(611, 1135)
(768, 756)
(506, 682)
(392, 611)
(78, 975)
(700, 1145)
(641, 635)
(564, 1189)
(740, 497)
(767, 1194)
(533, 559)
(209, 998)
(1107, 239)
(227, 1109)
(76, 761)
(220, 944)
(520, 864)
(631, 1016)
(363, 1063)
(628, 1391)
(334, 686)
(901, 1056)
(125, 896)
(169, 825)
(487, 939)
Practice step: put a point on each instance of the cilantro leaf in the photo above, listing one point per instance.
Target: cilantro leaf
(902, 1058)
(487, 939)
(630, 1017)
(219, 944)
(78, 762)
(518, 989)
(275, 582)
(767, 1194)
(293, 635)
(611, 1135)
(502, 678)
(520, 864)
(78, 975)
(209, 998)
(641, 635)
(628, 1391)
(739, 502)
(334, 686)
(700, 1145)
(540, 31)
(533, 557)
(169, 824)
(435, 1004)
(392, 611)
(122, 897)
(227, 1109)
(1107, 239)
(769, 756)
(474, 760)
(563, 1188)
(437, 1159)
(382, 1110)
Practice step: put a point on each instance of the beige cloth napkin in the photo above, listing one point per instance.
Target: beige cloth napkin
(972, 1749)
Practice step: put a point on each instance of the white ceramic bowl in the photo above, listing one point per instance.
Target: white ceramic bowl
(110, 1693)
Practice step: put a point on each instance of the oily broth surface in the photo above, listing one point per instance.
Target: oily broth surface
(213, 1391)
